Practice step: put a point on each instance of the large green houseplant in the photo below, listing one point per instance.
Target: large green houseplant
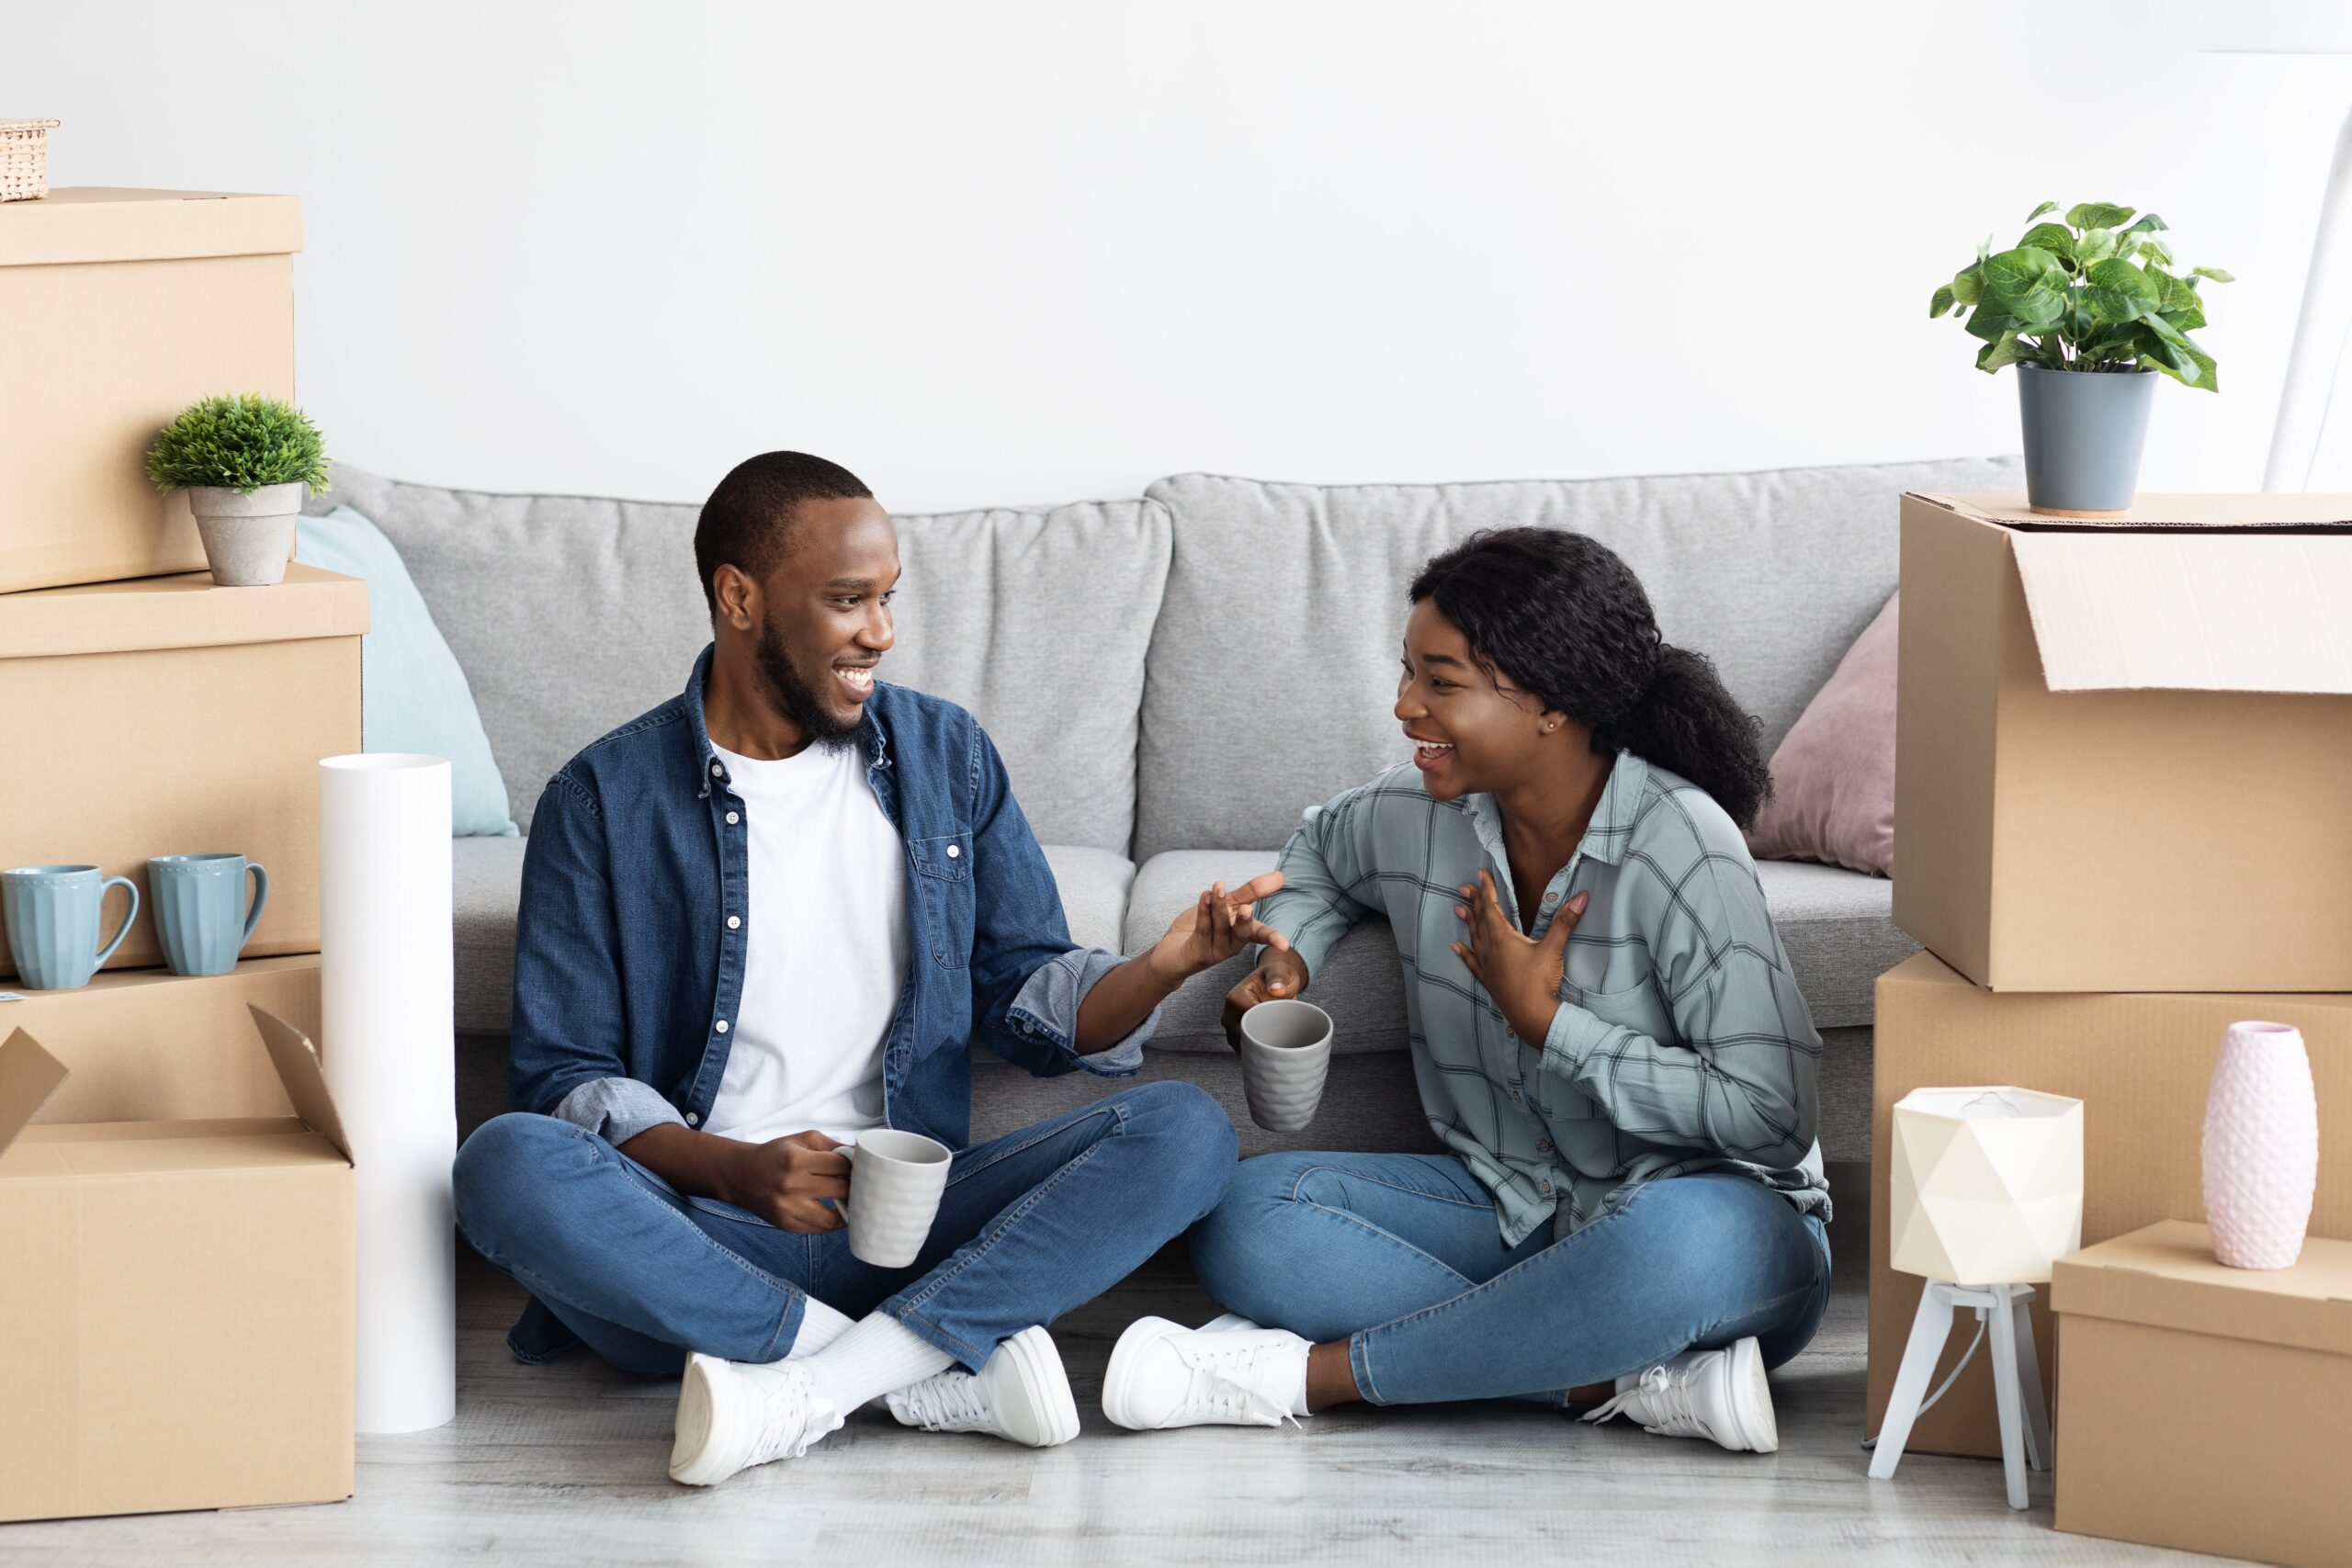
(243, 460)
(2089, 310)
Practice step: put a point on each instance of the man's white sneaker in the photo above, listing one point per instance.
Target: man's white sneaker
(1022, 1393)
(1720, 1395)
(1163, 1374)
(733, 1415)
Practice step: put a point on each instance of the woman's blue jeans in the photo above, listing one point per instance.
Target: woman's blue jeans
(1401, 1256)
(1031, 1224)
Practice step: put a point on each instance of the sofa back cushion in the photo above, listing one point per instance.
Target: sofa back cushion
(571, 614)
(1273, 666)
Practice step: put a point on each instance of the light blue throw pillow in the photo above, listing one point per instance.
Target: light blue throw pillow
(416, 698)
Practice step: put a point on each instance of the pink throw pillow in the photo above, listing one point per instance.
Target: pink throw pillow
(1833, 776)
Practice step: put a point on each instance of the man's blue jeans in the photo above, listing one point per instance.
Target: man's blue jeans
(1030, 1225)
(1400, 1256)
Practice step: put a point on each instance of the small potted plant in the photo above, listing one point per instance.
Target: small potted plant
(2086, 309)
(243, 460)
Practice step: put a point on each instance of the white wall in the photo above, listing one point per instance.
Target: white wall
(1031, 251)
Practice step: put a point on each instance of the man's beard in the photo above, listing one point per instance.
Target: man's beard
(793, 698)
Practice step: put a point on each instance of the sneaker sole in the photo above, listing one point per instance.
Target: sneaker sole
(1119, 1374)
(702, 1407)
(1047, 1382)
(1752, 1399)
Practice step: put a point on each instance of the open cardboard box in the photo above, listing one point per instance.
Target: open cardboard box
(123, 307)
(2204, 1406)
(2123, 748)
(150, 1045)
(2141, 1064)
(165, 715)
(177, 1298)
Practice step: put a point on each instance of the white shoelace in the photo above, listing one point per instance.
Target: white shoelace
(1240, 1393)
(949, 1402)
(1665, 1399)
(787, 1424)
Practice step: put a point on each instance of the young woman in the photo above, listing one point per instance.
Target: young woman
(1605, 1034)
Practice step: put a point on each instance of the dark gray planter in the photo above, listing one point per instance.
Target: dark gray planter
(2084, 433)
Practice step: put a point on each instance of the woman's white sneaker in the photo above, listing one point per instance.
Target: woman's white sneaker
(1163, 1374)
(1718, 1394)
(1021, 1395)
(734, 1414)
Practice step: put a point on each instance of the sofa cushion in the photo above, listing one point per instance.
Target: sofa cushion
(1837, 925)
(1361, 985)
(487, 886)
(572, 614)
(486, 883)
(1770, 574)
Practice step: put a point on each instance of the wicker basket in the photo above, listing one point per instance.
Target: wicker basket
(24, 158)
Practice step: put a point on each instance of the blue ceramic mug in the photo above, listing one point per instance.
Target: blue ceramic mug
(53, 913)
(200, 911)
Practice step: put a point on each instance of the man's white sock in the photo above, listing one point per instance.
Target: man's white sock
(876, 1356)
(819, 1327)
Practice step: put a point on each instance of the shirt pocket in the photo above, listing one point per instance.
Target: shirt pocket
(943, 889)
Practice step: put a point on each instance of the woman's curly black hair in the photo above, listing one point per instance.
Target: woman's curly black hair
(1567, 620)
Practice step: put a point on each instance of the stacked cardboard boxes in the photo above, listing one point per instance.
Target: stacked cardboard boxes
(2119, 781)
(169, 1198)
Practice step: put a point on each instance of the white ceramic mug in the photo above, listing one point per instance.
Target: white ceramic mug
(894, 1186)
(1285, 1054)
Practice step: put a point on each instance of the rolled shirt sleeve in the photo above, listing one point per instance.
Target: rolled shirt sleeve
(1046, 1011)
(616, 1110)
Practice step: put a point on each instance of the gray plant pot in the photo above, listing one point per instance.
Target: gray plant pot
(246, 537)
(2084, 433)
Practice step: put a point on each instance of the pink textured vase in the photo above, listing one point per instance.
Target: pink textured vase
(2261, 1146)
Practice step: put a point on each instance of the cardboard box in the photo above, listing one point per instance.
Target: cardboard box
(178, 1301)
(2205, 1407)
(150, 1045)
(2140, 1065)
(2121, 755)
(123, 307)
(168, 716)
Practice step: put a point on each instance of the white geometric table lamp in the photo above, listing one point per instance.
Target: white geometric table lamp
(1987, 1194)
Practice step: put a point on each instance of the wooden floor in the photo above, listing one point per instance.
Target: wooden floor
(564, 1465)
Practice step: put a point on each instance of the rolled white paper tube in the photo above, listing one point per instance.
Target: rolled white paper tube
(386, 1045)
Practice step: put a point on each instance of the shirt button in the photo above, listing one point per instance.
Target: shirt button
(722, 1028)
(1543, 1146)
(692, 1119)
(733, 818)
(1547, 1187)
(1514, 1097)
(953, 851)
(1551, 897)
(1511, 1035)
(717, 771)
(733, 921)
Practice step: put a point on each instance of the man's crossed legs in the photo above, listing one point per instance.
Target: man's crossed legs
(781, 1333)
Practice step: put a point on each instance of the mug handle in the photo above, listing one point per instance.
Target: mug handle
(848, 1152)
(261, 902)
(128, 886)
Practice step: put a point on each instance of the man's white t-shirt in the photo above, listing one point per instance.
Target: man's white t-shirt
(826, 949)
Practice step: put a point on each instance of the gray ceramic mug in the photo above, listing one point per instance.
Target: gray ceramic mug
(52, 912)
(200, 911)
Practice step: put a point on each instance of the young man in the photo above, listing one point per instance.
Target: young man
(772, 915)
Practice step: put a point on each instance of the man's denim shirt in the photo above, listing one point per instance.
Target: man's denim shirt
(634, 928)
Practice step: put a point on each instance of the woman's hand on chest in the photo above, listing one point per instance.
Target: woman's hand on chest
(1523, 974)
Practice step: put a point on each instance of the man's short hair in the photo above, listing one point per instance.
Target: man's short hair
(748, 521)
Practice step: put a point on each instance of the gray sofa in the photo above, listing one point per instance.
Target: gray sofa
(1171, 680)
